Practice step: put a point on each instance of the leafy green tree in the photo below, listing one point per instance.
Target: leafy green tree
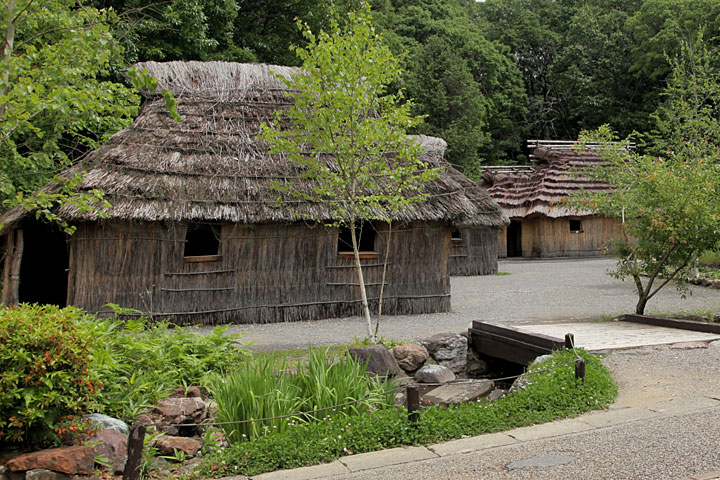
(55, 104)
(669, 204)
(348, 132)
(176, 30)
(468, 88)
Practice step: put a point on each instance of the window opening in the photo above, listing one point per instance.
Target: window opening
(455, 236)
(575, 226)
(202, 239)
(364, 234)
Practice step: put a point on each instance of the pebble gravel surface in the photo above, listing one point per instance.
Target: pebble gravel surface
(531, 291)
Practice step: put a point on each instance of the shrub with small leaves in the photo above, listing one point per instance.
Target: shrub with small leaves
(45, 356)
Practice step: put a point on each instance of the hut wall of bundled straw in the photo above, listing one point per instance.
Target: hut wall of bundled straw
(262, 273)
(475, 252)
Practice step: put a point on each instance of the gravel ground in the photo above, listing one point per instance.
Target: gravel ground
(536, 291)
(666, 447)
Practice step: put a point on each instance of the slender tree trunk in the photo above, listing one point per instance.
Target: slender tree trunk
(361, 281)
(640, 307)
(382, 280)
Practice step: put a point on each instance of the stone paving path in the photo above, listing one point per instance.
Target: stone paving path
(618, 335)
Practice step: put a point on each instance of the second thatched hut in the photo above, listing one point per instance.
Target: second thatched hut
(541, 225)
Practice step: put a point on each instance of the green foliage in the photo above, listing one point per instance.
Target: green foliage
(139, 362)
(552, 394)
(45, 372)
(263, 388)
(55, 101)
(710, 258)
(468, 88)
(347, 133)
(669, 204)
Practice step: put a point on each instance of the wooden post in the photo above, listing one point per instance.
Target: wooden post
(569, 341)
(413, 402)
(580, 370)
(13, 258)
(134, 452)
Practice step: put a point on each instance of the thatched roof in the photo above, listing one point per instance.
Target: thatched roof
(211, 166)
(540, 190)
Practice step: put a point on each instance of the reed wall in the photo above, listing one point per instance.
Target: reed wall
(263, 272)
(475, 252)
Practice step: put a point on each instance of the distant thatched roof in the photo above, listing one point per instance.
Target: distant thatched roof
(211, 166)
(555, 176)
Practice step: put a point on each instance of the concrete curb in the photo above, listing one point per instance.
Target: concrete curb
(589, 421)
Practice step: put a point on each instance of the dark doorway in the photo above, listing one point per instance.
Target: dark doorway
(514, 239)
(44, 266)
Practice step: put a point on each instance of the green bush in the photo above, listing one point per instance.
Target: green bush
(45, 371)
(553, 394)
(263, 388)
(140, 362)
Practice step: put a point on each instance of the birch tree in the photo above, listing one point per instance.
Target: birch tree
(347, 132)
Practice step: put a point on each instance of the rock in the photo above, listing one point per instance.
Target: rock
(520, 383)
(434, 374)
(167, 445)
(180, 410)
(190, 392)
(454, 393)
(6, 474)
(403, 380)
(496, 394)
(449, 349)
(112, 445)
(410, 356)
(70, 460)
(379, 360)
(476, 366)
(716, 284)
(108, 422)
(43, 474)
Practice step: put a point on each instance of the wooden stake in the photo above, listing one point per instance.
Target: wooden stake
(413, 402)
(134, 452)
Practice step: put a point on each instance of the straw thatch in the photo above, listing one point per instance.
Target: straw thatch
(542, 189)
(277, 260)
(212, 166)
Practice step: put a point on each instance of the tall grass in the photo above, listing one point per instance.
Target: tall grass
(710, 258)
(255, 391)
(264, 388)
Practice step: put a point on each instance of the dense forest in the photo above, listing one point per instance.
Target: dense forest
(487, 75)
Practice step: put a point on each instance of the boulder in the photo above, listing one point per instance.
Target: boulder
(105, 422)
(434, 374)
(43, 474)
(167, 445)
(180, 410)
(190, 392)
(454, 393)
(716, 284)
(70, 460)
(410, 356)
(448, 349)
(520, 383)
(379, 360)
(112, 445)
(496, 394)
(476, 366)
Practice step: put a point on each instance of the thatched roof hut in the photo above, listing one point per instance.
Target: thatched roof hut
(542, 225)
(174, 184)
